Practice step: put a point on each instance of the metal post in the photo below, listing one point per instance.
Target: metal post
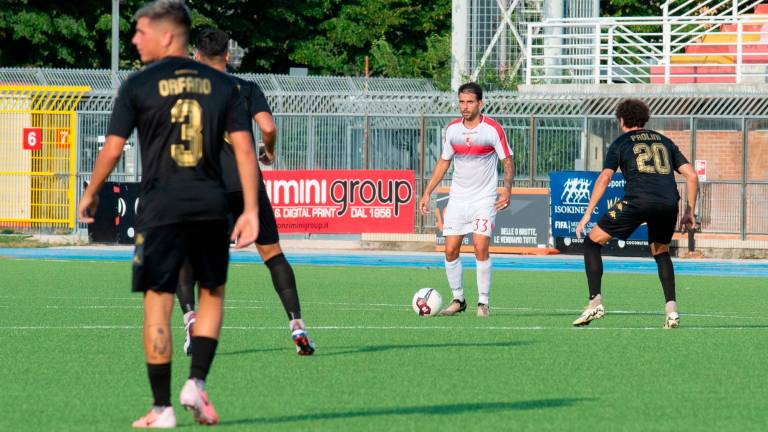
(596, 66)
(609, 74)
(696, 216)
(76, 146)
(666, 40)
(553, 41)
(115, 64)
(422, 167)
(744, 150)
(529, 54)
(366, 126)
(459, 42)
(310, 161)
(532, 150)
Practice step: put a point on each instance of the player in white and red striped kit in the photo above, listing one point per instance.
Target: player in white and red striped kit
(475, 143)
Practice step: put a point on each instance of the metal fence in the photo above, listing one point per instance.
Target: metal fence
(326, 123)
(732, 199)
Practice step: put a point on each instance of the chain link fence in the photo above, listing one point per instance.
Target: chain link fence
(351, 123)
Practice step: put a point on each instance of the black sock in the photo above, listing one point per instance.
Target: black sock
(185, 291)
(285, 285)
(593, 264)
(203, 351)
(160, 381)
(666, 275)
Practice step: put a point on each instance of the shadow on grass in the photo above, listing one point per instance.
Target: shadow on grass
(333, 351)
(392, 347)
(446, 409)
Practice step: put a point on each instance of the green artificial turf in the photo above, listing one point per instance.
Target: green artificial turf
(71, 353)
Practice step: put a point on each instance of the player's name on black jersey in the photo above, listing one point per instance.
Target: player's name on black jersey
(645, 136)
(184, 84)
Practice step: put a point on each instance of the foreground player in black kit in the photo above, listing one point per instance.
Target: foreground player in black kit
(212, 49)
(647, 159)
(181, 110)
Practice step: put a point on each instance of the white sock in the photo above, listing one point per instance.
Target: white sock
(454, 271)
(188, 316)
(296, 324)
(483, 280)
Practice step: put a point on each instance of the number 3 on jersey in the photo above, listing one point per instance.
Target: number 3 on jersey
(189, 113)
(658, 153)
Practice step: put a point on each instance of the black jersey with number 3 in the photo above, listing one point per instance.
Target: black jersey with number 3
(648, 160)
(181, 110)
(255, 103)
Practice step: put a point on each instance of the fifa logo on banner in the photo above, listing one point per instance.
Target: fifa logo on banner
(576, 191)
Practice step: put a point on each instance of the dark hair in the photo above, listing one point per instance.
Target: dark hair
(212, 42)
(174, 11)
(472, 87)
(634, 112)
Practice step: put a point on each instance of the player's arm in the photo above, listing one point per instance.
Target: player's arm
(108, 157)
(268, 133)
(437, 176)
(247, 227)
(688, 220)
(603, 180)
(509, 176)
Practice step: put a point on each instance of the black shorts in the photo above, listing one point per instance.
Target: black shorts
(267, 223)
(625, 216)
(161, 250)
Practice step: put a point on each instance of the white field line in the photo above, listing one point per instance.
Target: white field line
(378, 307)
(346, 306)
(343, 328)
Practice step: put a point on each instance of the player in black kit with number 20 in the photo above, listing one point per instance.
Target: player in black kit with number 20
(181, 110)
(648, 160)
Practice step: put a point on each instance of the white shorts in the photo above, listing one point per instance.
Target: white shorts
(464, 217)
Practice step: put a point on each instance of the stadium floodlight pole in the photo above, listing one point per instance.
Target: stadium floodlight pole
(115, 40)
(459, 42)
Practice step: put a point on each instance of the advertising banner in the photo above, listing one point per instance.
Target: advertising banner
(342, 201)
(570, 195)
(115, 214)
(522, 227)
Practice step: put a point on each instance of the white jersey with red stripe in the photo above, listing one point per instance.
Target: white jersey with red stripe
(475, 153)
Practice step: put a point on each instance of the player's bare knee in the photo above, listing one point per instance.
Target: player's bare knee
(452, 254)
(269, 251)
(599, 236)
(482, 255)
(658, 248)
(452, 250)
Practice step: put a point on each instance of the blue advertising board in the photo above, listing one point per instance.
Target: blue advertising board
(570, 194)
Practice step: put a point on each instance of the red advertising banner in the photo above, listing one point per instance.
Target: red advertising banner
(342, 201)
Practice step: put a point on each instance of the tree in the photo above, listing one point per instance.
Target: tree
(402, 38)
(630, 8)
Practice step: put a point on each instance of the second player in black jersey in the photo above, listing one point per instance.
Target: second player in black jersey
(648, 161)
(181, 110)
(212, 49)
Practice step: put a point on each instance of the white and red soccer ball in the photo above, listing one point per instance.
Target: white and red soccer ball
(427, 302)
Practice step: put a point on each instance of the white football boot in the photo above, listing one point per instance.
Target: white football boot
(589, 315)
(672, 321)
(157, 418)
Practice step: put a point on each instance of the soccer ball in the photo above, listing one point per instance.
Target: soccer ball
(427, 302)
